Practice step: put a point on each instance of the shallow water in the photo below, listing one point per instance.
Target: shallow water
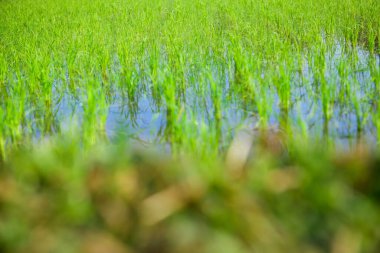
(145, 116)
(148, 123)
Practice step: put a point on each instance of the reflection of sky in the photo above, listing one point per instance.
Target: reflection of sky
(147, 124)
(145, 127)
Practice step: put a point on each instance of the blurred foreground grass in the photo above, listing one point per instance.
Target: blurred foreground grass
(56, 197)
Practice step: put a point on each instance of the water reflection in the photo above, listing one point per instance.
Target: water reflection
(339, 102)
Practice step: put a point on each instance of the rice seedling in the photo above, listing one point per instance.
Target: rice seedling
(252, 50)
(145, 49)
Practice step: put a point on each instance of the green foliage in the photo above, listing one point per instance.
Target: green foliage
(56, 197)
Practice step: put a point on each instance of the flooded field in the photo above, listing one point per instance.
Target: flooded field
(332, 96)
(182, 74)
